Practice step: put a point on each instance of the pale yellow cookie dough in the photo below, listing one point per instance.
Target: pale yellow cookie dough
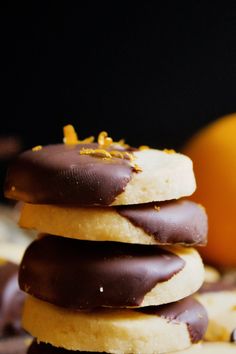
(221, 309)
(164, 176)
(111, 331)
(211, 274)
(182, 284)
(91, 223)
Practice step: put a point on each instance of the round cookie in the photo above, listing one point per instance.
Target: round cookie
(211, 275)
(88, 274)
(173, 222)
(221, 309)
(11, 299)
(43, 348)
(145, 330)
(200, 348)
(82, 174)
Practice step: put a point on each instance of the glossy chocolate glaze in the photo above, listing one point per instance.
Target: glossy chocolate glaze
(182, 221)
(11, 300)
(86, 274)
(188, 311)
(42, 348)
(233, 336)
(59, 174)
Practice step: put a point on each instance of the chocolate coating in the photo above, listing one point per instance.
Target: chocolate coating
(233, 336)
(86, 274)
(11, 300)
(182, 222)
(42, 348)
(59, 174)
(188, 311)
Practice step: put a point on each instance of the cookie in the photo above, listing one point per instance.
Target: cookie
(87, 274)
(11, 299)
(43, 348)
(173, 222)
(221, 308)
(82, 174)
(200, 348)
(211, 274)
(157, 329)
(15, 345)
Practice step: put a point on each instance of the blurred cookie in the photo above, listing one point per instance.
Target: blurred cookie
(173, 222)
(211, 274)
(11, 299)
(157, 329)
(87, 274)
(221, 308)
(15, 345)
(87, 175)
(200, 348)
(43, 348)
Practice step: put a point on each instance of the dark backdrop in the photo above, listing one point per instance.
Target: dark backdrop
(152, 74)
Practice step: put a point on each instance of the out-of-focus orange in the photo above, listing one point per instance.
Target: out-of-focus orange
(213, 151)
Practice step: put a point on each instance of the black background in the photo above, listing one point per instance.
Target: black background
(153, 73)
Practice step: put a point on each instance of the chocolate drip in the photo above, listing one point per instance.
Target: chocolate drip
(183, 221)
(233, 336)
(86, 274)
(59, 174)
(42, 348)
(188, 311)
(11, 300)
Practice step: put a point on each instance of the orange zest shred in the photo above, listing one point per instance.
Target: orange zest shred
(144, 147)
(137, 168)
(71, 137)
(169, 151)
(37, 148)
(96, 153)
(157, 208)
(104, 140)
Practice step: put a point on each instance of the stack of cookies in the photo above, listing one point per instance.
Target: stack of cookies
(113, 268)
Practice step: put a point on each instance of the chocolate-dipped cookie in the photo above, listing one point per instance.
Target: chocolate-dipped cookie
(87, 175)
(11, 299)
(219, 299)
(159, 329)
(88, 274)
(165, 223)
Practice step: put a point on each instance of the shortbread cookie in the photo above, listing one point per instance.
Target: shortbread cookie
(43, 348)
(81, 174)
(221, 308)
(211, 275)
(174, 222)
(87, 274)
(200, 348)
(157, 329)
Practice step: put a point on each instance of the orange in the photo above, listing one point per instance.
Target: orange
(213, 151)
